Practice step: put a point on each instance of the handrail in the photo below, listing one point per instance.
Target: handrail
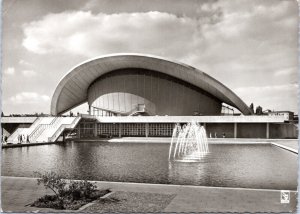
(12, 137)
(130, 112)
(58, 131)
(32, 134)
(53, 123)
(36, 122)
(37, 131)
(140, 111)
(88, 116)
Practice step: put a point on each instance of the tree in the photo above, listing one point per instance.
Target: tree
(259, 110)
(54, 182)
(252, 107)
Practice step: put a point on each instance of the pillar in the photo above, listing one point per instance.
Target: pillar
(90, 110)
(78, 130)
(267, 130)
(95, 129)
(147, 129)
(120, 129)
(235, 130)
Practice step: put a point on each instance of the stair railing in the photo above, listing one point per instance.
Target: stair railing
(62, 127)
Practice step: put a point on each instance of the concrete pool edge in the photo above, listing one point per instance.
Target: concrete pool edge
(213, 141)
(188, 198)
(153, 184)
(157, 140)
(285, 147)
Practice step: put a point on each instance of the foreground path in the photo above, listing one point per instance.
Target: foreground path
(17, 192)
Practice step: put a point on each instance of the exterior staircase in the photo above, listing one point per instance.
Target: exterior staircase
(13, 138)
(55, 133)
(45, 129)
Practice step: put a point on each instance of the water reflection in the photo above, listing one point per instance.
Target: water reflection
(253, 166)
(188, 172)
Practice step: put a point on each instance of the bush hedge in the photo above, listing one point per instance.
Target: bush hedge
(68, 194)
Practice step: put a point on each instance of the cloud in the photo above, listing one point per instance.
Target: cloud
(241, 43)
(268, 88)
(28, 73)
(279, 97)
(84, 33)
(25, 63)
(10, 71)
(29, 97)
(232, 35)
(286, 71)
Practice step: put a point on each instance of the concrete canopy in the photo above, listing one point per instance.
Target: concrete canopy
(72, 90)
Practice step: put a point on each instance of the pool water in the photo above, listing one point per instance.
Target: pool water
(230, 165)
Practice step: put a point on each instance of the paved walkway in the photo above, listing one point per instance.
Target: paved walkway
(17, 192)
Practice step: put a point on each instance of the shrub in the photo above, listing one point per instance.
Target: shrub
(68, 195)
(48, 201)
(52, 181)
(81, 189)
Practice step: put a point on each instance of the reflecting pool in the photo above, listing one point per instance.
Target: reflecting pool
(249, 166)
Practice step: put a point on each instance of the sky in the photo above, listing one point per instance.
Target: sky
(248, 45)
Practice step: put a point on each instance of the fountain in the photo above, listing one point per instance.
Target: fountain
(189, 143)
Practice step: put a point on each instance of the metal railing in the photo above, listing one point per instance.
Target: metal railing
(62, 127)
(39, 129)
(34, 136)
(13, 136)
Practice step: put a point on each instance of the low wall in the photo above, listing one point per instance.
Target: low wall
(250, 130)
(219, 129)
(283, 131)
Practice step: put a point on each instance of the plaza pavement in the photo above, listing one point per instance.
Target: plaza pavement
(17, 192)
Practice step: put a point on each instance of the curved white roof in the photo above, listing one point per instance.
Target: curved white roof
(72, 89)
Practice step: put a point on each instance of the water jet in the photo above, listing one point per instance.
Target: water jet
(188, 143)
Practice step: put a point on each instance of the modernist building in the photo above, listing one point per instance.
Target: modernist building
(120, 84)
(146, 95)
(142, 95)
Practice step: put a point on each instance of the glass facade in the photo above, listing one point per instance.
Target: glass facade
(122, 92)
(161, 129)
(111, 129)
(88, 129)
(134, 129)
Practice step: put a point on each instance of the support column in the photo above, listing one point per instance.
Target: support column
(95, 129)
(204, 125)
(78, 131)
(90, 110)
(120, 129)
(147, 129)
(235, 130)
(267, 130)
